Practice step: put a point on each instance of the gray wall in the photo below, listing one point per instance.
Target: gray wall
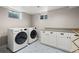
(6, 23)
(60, 18)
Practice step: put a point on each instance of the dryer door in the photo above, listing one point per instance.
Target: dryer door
(21, 37)
(33, 34)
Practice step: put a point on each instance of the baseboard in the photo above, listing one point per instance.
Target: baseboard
(55, 48)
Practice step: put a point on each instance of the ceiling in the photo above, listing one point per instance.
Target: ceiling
(38, 9)
(34, 9)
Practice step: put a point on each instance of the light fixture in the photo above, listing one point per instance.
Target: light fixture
(43, 10)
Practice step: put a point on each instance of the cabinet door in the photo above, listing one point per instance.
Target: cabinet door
(73, 36)
(42, 38)
(51, 40)
(63, 41)
(74, 40)
(45, 37)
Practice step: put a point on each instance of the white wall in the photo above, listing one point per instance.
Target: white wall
(6, 23)
(60, 18)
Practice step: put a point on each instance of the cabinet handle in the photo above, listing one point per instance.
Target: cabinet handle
(62, 33)
(51, 32)
(67, 37)
(43, 31)
(76, 35)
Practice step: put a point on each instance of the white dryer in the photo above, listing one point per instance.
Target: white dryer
(17, 38)
(32, 35)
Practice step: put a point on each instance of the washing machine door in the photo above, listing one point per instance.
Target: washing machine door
(33, 34)
(21, 37)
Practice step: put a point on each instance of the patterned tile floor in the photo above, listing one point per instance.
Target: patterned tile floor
(34, 48)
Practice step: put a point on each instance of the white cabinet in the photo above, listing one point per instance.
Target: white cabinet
(75, 41)
(63, 41)
(44, 36)
(49, 38)
(52, 39)
(73, 36)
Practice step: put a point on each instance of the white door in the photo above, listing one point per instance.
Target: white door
(52, 39)
(74, 39)
(49, 38)
(63, 41)
(44, 37)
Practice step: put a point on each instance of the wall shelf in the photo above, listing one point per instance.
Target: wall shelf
(62, 29)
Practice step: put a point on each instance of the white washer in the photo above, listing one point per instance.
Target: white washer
(32, 35)
(17, 38)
